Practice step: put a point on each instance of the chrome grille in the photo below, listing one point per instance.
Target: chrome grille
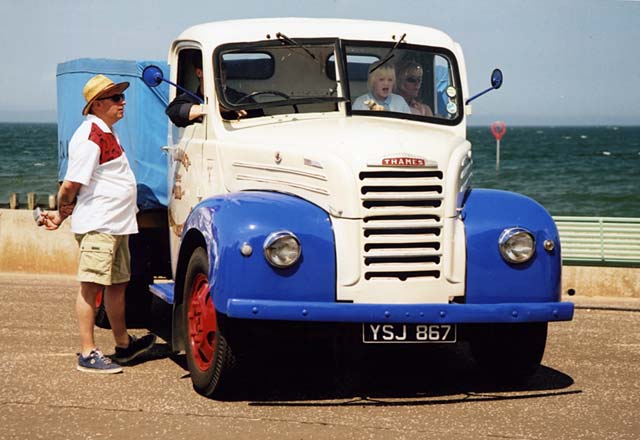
(402, 223)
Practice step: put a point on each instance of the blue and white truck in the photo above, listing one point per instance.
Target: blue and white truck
(284, 204)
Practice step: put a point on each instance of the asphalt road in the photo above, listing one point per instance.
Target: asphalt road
(588, 387)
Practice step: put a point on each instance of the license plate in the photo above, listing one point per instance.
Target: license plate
(409, 333)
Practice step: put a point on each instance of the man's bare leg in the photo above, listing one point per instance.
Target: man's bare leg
(115, 306)
(86, 312)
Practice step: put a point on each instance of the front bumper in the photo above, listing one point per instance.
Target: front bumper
(399, 313)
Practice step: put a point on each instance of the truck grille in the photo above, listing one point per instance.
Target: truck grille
(402, 223)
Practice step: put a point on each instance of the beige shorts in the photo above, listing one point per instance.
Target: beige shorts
(104, 258)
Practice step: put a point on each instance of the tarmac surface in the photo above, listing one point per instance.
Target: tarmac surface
(587, 388)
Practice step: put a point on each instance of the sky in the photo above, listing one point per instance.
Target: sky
(564, 62)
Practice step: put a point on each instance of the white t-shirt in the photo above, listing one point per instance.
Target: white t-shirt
(107, 198)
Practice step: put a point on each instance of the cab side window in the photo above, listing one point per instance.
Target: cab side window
(190, 70)
(184, 109)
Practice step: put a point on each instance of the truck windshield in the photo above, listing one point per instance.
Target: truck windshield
(281, 76)
(295, 75)
(395, 81)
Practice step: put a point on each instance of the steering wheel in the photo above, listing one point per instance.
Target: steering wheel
(267, 92)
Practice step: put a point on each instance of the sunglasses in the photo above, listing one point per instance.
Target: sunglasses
(413, 79)
(115, 98)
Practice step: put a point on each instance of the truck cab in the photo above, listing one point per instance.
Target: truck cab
(279, 118)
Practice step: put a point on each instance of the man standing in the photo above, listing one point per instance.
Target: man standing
(100, 190)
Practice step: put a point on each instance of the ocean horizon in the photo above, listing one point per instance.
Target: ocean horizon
(570, 170)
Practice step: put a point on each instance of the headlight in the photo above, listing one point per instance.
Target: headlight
(517, 245)
(282, 249)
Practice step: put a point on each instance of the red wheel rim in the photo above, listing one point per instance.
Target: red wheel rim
(203, 328)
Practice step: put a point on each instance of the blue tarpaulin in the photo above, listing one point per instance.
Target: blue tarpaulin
(142, 131)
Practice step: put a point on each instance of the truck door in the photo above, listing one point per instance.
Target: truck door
(185, 150)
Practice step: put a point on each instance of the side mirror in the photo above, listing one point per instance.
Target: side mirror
(152, 76)
(496, 83)
(496, 78)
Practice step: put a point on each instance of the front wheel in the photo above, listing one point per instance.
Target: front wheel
(508, 351)
(209, 356)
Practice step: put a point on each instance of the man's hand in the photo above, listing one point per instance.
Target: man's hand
(51, 220)
(197, 111)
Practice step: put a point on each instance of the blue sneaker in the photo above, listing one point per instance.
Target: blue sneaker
(96, 362)
(136, 347)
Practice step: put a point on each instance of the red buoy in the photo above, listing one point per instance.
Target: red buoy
(498, 129)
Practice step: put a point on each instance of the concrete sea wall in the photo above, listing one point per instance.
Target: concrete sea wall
(26, 248)
(602, 281)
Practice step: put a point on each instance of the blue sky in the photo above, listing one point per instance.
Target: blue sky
(564, 62)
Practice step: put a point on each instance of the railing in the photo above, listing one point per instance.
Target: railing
(600, 241)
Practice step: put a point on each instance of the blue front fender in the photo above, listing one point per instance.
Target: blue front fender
(231, 221)
(490, 279)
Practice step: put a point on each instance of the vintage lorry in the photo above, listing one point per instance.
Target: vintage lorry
(286, 205)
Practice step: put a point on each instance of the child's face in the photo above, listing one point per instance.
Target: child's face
(382, 86)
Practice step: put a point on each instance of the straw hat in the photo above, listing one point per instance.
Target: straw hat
(100, 85)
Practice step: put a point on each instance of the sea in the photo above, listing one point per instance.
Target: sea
(576, 171)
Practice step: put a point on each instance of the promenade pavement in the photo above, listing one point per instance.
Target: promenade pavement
(587, 388)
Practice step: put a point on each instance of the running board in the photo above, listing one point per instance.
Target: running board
(164, 291)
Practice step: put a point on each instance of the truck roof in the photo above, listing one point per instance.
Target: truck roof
(216, 33)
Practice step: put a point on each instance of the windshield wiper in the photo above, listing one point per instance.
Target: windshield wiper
(389, 54)
(292, 42)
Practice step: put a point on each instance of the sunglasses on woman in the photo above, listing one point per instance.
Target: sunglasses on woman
(413, 79)
(115, 98)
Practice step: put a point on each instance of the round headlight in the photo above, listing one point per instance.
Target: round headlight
(517, 245)
(282, 249)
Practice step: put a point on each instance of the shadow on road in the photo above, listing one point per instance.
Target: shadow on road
(282, 373)
(312, 376)
(414, 376)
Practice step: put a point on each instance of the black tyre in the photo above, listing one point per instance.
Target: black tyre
(508, 351)
(102, 320)
(209, 356)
